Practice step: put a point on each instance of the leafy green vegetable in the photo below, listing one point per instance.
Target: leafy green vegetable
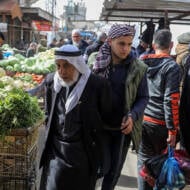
(19, 56)
(18, 110)
(17, 67)
(4, 63)
(5, 46)
(9, 68)
(12, 61)
(30, 61)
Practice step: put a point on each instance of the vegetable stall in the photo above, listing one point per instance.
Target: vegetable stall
(20, 118)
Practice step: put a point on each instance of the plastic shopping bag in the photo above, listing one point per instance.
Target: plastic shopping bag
(170, 176)
(183, 159)
(152, 168)
(154, 165)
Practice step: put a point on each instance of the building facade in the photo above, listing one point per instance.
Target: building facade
(21, 23)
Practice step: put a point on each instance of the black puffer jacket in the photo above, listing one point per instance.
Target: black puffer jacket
(163, 82)
(94, 47)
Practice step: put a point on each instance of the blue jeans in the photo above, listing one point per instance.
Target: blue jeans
(142, 184)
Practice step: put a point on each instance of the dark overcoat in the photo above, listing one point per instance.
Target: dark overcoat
(184, 113)
(93, 108)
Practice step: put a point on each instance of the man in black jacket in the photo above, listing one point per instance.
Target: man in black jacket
(161, 117)
(77, 105)
(101, 37)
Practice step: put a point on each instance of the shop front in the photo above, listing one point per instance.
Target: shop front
(11, 21)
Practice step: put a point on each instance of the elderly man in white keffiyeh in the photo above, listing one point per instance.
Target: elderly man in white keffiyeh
(117, 62)
(77, 105)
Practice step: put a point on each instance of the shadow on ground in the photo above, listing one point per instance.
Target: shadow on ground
(127, 181)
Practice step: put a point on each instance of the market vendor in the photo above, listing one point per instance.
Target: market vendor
(77, 103)
(2, 39)
(31, 51)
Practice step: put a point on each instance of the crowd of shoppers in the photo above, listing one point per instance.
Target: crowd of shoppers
(94, 114)
(125, 97)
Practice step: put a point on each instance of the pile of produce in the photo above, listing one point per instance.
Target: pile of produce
(18, 110)
(41, 63)
(7, 83)
(29, 77)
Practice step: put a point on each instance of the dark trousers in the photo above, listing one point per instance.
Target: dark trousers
(110, 179)
(58, 176)
(153, 143)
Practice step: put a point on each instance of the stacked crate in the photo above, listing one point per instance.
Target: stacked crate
(18, 153)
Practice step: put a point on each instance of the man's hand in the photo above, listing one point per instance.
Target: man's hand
(171, 140)
(127, 125)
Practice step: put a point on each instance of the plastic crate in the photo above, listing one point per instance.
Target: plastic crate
(18, 153)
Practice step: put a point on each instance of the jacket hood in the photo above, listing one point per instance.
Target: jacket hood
(155, 62)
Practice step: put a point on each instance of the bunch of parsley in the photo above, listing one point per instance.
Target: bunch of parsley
(18, 110)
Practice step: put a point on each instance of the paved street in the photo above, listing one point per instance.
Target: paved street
(128, 179)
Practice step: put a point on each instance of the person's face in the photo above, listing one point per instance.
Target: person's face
(33, 46)
(62, 42)
(65, 70)
(121, 46)
(76, 38)
(144, 45)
